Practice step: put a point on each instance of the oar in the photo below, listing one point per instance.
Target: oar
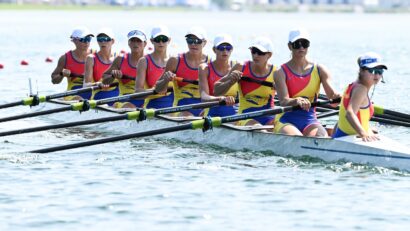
(180, 79)
(327, 114)
(81, 106)
(135, 115)
(263, 83)
(379, 110)
(35, 100)
(204, 124)
(386, 119)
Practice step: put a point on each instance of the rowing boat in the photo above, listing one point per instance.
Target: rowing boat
(384, 153)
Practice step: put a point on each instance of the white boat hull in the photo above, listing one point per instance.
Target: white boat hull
(383, 153)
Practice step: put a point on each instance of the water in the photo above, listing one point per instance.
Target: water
(156, 184)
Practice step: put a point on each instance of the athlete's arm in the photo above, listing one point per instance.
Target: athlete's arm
(169, 73)
(59, 72)
(222, 86)
(88, 74)
(283, 94)
(357, 99)
(141, 74)
(113, 71)
(325, 79)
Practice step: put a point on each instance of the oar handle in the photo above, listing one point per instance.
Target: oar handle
(127, 77)
(77, 91)
(73, 75)
(180, 79)
(129, 96)
(260, 82)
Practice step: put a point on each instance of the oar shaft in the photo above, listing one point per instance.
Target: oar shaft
(116, 138)
(64, 125)
(327, 114)
(390, 122)
(76, 91)
(12, 104)
(188, 107)
(396, 113)
(34, 114)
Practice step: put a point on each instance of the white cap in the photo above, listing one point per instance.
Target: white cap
(199, 32)
(298, 34)
(81, 32)
(137, 34)
(107, 31)
(370, 60)
(160, 30)
(263, 44)
(222, 38)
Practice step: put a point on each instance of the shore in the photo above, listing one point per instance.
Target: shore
(256, 8)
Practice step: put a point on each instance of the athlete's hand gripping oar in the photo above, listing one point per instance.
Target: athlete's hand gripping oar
(37, 99)
(135, 115)
(81, 106)
(204, 124)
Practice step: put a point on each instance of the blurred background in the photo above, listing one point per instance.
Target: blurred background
(234, 5)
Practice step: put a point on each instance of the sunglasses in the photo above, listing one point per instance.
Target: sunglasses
(195, 41)
(104, 39)
(85, 40)
(224, 47)
(375, 71)
(161, 38)
(300, 43)
(255, 51)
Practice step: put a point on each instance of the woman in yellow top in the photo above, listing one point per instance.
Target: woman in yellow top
(253, 96)
(185, 66)
(124, 69)
(298, 83)
(96, 64)
(71, 64)
(211, 72)
(356, 109)
(152, 66)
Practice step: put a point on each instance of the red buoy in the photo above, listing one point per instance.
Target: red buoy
(24, 62)
(49, 59)
(1, 66)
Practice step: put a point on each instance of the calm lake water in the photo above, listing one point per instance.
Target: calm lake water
(156, 184)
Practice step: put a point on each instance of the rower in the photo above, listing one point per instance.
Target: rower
(96, 64)
(124, 69)
(356, 109)
(185, 66)
(71, 64)
(298, 83)
(211, 72)
(152, 66)
(253, 96)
